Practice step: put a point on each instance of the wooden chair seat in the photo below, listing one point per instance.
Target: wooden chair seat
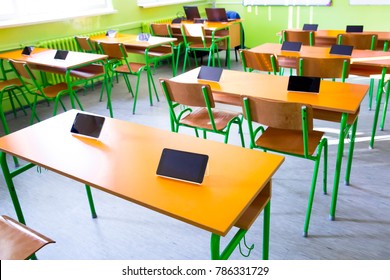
(10, 83)
(17, 241)
(275, 139)
(200, 118)
(54, 90)
(135, 67)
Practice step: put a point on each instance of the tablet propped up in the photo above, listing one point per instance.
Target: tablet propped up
(304, 84)
(87, 125)
(181, 165)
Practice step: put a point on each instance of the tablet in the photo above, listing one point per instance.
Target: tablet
(111, 33)
(291, 46)
(182, 165)
(304, 84)
(354, 28)
(210, 73)
(27, 50)
(87, 125)
(310, 27)
(61, 54)
(341, 49)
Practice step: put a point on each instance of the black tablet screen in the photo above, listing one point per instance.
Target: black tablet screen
(87, 125)
(182, 165)
(304, 84)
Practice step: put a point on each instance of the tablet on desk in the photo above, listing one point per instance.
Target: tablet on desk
(310, 27)
(27, 50)
(341, 49)
(210, 73)
(354, 28)
(87, 125)
(291, 46)
(182, 165)
(304, 84)
(61, 54)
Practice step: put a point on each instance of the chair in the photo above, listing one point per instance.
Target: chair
(164, 30)
(195, 40)
(360, 41)
(204, 115)
(259, 61)
(329, 68)
(84, 44)
(118, 63)
(289, 131)
(306, 37)
(232, 15)
(10, 87)
(19, 242)
(48, 92)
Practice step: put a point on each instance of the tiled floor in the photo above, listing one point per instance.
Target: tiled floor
(58, 207)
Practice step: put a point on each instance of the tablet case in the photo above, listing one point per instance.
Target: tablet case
(291, 46)
(61, 54)
(354, 28)
(341, 49)
(87, 125)
(210, 73)
(304, 84)
(143, 37)
(182, 165)
(310, 27)
(27, 50)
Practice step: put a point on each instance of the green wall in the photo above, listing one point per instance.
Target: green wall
(261, 26)
(128, 18)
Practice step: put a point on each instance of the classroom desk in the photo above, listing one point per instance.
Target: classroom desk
(363, 63)
(155, 47)
(123, 163)
(233, 29)
(326, 38)
(76, 65)
(335, 98)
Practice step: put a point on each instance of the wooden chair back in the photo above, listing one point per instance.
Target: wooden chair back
(188, 94)
(331, 68)
(193, 30)
(21, 68)
(259, 61)
(84, 44)
(303, 36)
(278, 114)
(160, 29)
(113, 50)
(361, 41)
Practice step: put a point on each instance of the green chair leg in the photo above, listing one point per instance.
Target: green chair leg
(382, 125)
(90, 201)
(350, 153)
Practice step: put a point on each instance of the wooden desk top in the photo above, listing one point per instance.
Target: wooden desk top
(131, 40)
(332, 33)
(45, 57)
(321, 52)
(333, 96)
(124, 162)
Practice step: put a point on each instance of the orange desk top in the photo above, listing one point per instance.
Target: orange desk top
(45, 57)
(131, 40)
(333, 96)
(208, 25)
(321, 52)
(124, 162)
(332, 33)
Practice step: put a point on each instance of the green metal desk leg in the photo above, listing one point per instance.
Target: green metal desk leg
(10, 184)
(90, 200)
(350, 153)
(215, 245)
(382, 125)
(266, 230)
(339, 158)
(377, 108)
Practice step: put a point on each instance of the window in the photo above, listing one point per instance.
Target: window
(155, 3)
(20, 12)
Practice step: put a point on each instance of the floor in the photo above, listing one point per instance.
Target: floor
(58, 207)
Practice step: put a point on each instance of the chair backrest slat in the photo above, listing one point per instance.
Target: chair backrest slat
(331, 68)
(259, 61)
(189, 94)
(278, 114)
(361, 41)
(160, 29)
(113, 50)
(303, 36)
